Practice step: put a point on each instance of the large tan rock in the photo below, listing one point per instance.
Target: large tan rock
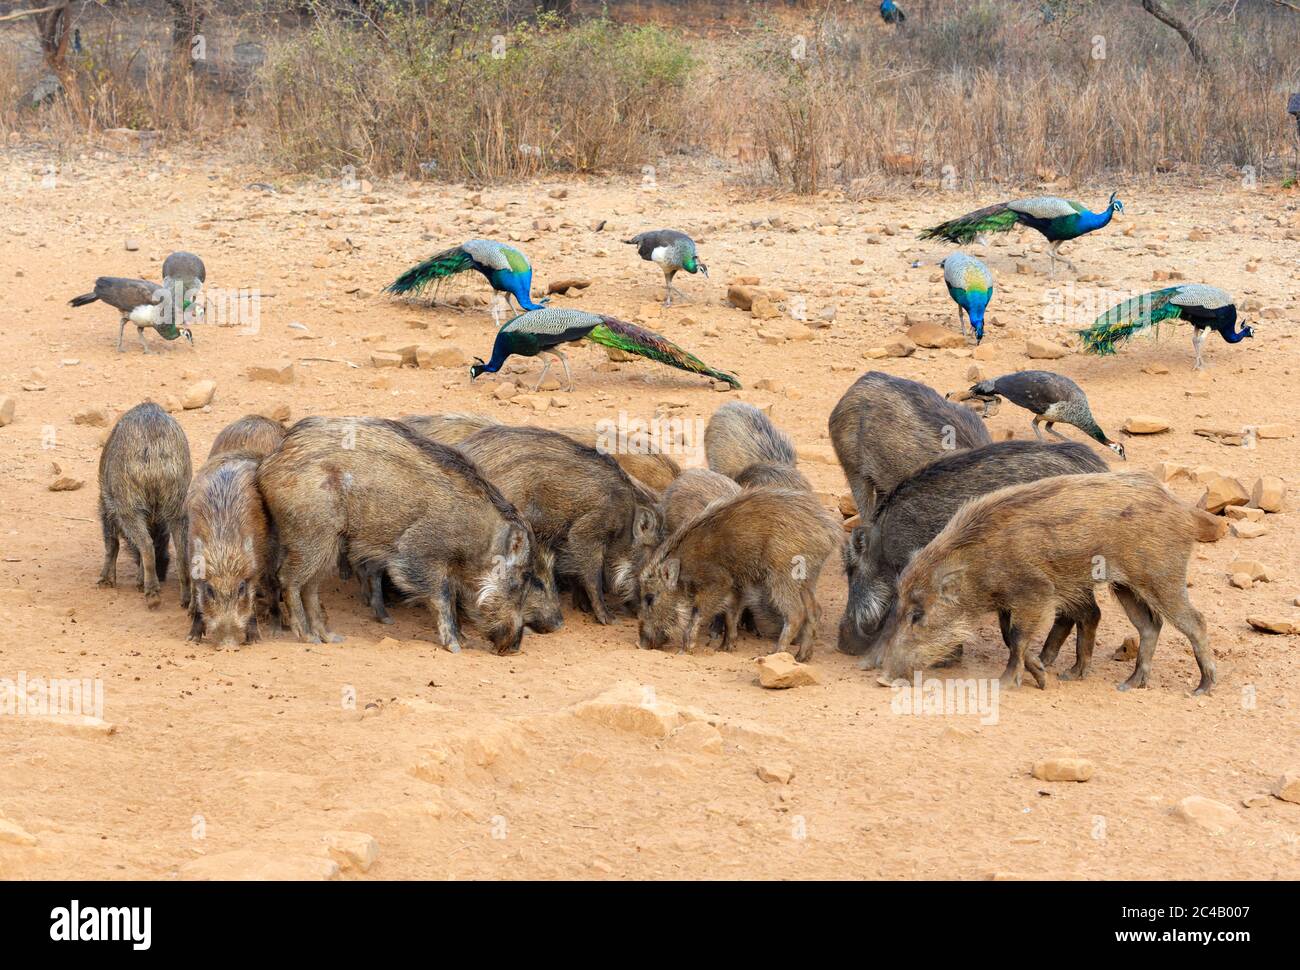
(1222, 492)
(352, 850)
(91, 417)
(1063, 767)
(1273, 624)
(1214, 817)
(1039, 348)
(779, 671)
(900, 347)
(632, 707)
(1287, 787)
(1269, 494)
(199, 395)
(925, 334)
(741, 295)
(275, 372)
(1145, 424)
(1253, 568)
(448, 356)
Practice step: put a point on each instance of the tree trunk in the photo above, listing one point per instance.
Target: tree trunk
(1157, 9)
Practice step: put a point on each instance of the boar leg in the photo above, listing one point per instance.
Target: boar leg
(196, 626)
(442, 604)
(1083, 642)
(252, 633)
(807, 635)
(137, 534)
(1015, 627)
(112, 544)
(1056, 636)
(1148, 625)
(730, 627)
(316, 615)
(1179, 611)
(592, 584)
(178, 530)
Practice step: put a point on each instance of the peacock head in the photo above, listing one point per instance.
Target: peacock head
(1116, 447)
(1247, 330)
(1115, 204)
(478, 367)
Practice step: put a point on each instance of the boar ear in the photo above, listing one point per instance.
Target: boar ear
(949, 584)
(858, 541)
(645, 526)
(669, 571)
(516, 544)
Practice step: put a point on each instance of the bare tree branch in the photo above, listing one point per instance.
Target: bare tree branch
(1199, 54)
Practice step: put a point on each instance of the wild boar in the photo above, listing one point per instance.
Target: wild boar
(690, 493)
(766, 475)
(739, 435)
(144, 471)
(637, 454)
(919, 507)
(447, 429)
(763, 547)
(1029, 551)
(232, 549)
(599, 522)
(252, 434)
(884, 428)
(403, 504)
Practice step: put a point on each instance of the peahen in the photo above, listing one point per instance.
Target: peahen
(672, 251)
(143, 303)
(543, 331)
(1051, 397)
(506, 269)
(184, 275)
(970, 284)
(1205, 307)
(891, 13)
(1058, 220)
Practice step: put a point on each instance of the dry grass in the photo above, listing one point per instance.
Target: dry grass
(966, 94)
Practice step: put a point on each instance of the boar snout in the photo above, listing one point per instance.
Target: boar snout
(506, 639)
(852, 641)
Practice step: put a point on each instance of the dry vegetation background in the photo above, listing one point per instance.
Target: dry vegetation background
(800, 96)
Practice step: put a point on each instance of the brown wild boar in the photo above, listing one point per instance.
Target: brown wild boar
(761, 548)
(884, 428)
(765, 475)
(252, 434)
(637, 454)
(599, 522)
(690, 493)
(403, 504)
(739, 435)
(144, 471)
(232, 550)
(1029, 551)
(914, 513)
(447, 429)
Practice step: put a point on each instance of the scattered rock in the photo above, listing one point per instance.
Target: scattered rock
(199, 395)
(933, 335)
(448, 356)
(1256, 570)
(1172, 471)
(1241, 580)
(1288, 787)
(1272, 624)
(6, 410)
(65, 483)
(901, 347)
(697, 736)
(1222, 492)
(1145, 424)
(1269, 494)
(761, 308)
(1269, 431)
(1215, 817)
(1245, 529)
(776, 771)
(505, 391)
(380, 358)
(1224, 436)
(1037, 348)
(91, 417)
(741, 296)
(778, 671)
(352, 850)
(563, 286)
(1063, 768)
(276, 372)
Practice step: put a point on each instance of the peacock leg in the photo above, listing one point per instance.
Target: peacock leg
(668, 286)
(139, 332)
(1198, 341)
(564, 362)
(1052, 431)
(545, 367)
(120, 332)
(1038, 432)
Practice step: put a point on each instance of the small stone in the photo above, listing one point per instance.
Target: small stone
(761, 308)
(1271, 431)
(1171, 471)
(1245, 529)
(505, 391)
(779, 671)
(697, 736)
(352, 850)
(91, 417)
(563, 286)
(1253, 568)
(777, 772)
(1269, 494)
(379, 358)
(1063, 768)
(1288, 787)
(741, 296)
(1145, 424)
(1215, 817)
(1037, 348)
(1272, 624)
(1224, 436)
(65, 483)
(276, 372)
(1241, 580)
(1240, 512)
(199, 395)
(6, 410)
(925, 334)
(132, 244)
(448, 356)
(901, 347)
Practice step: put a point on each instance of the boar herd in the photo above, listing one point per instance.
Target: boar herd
(489, 524)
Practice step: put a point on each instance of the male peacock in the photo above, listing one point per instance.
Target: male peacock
(672, 251)
(891, 13)
(543, 331)
(143, 303)
(1205, 307)
(506, 269)
(970, 284)
(1059, 220)
(1052, 398)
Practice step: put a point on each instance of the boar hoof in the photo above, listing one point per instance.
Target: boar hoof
(153, 599)
(1203, 688)
(1011, 679)
(106, 583)
(1131, 683)
(453, 647)
(334, 638)
(386, 620)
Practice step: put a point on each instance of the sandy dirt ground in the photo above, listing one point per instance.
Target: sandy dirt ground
(477, 766)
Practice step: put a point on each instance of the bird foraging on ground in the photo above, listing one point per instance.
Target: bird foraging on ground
(891, 13)
(506, 269)
(544, 331)
(1058, 220)
(143, 303)
(970, 284)
(1205, 307)
(184, 272)
(672, 251)
(1051, 397)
